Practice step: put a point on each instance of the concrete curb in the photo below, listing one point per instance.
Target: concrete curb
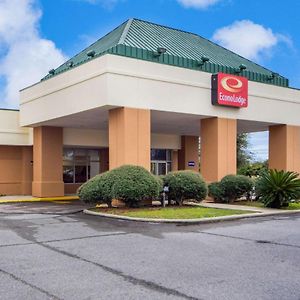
(191, 221)
(49, 199)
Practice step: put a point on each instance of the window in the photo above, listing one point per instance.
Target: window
(79, 165)
(161, 161)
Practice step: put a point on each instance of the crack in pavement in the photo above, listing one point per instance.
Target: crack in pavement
(29, 284)
(133, 280)
(62, 240)
(248, 239)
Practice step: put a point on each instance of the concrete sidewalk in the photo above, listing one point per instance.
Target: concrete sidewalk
(240, 207)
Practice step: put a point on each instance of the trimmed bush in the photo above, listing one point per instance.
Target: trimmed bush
(134, 184)
(216, 191)
(98, 189)
(184, 185)
(277, 189)
(235, 186)
(230, 188)
(160, 180)
(130, 184)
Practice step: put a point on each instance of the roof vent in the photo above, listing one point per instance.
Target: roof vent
(272, 76)
(160, 51)
(91, 53)
(204, 59)
(70, 64)
(51, 72)
(241, 68)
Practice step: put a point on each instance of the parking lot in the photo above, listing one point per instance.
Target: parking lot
(54, 251)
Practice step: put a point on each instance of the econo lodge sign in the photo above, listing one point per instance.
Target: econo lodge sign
(229, 90)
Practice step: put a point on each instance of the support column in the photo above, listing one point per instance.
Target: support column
(218, 148)
(174, 160)
(188, 155)
(47, 162)
(129, 137)
(104, 160)
(284, 148)
(27, 170)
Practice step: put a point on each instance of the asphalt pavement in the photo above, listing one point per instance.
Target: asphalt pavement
(53, 251)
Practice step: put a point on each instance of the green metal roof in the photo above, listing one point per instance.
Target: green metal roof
(140, 39)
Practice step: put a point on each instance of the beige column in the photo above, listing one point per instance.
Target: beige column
(27, 170)
(47, 162)
(104, 160)
(174, 160)
(218, 148)
(189, 152)
(284, 148)
(129, 137)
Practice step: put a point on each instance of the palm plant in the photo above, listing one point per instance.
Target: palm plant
(277, 188)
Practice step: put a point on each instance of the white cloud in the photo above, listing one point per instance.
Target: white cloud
(199, 4)
(248, 39)
(26, 56)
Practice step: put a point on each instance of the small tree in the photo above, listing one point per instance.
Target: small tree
(243, 154)
(277, 188)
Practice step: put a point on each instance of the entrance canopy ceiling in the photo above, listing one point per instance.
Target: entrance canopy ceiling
(161, 122)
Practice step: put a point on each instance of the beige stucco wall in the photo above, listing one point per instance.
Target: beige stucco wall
(10, 131)
(147, 85)
(85, 137)
(99, 138)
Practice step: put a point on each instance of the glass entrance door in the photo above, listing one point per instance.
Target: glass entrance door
(161, 161)
(160, 168)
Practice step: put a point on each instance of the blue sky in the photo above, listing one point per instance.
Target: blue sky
(37, 35)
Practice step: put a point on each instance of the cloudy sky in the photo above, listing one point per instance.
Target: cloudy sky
(38, 35)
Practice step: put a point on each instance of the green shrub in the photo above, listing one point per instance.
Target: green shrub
(278, 188)
(184, 185)
(130, 184)
(216, 191)
(134, 184)
(160, 180)
(98, 189)
(230, 188)
(235, 186)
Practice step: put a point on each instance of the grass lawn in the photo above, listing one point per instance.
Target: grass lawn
(292, 206)
(189, 212)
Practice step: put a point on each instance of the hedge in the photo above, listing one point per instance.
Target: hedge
(134, 184)
(185, 185)
(131, 184)
(230, 188)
